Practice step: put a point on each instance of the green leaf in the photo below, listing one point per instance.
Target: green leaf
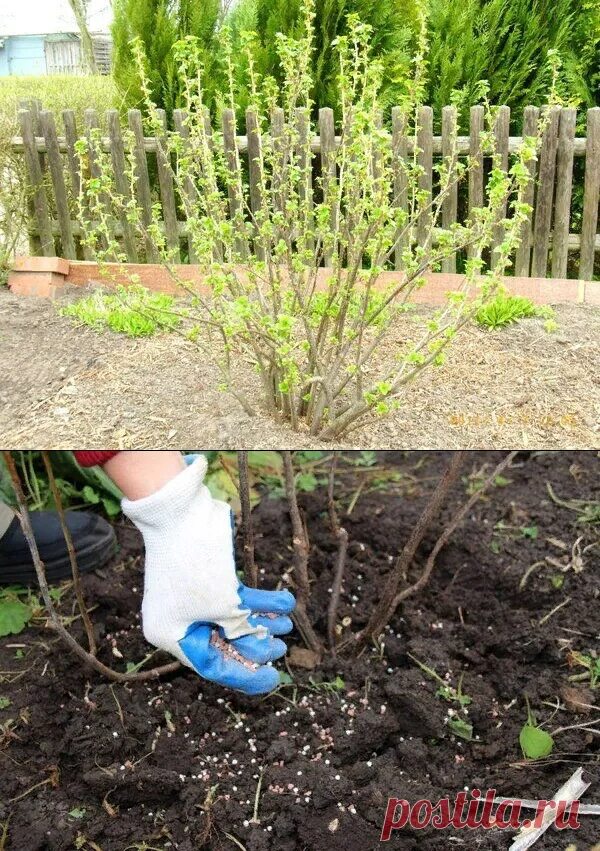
(285, 679)
(90, 495)
(306, 482)
(14, 617)
(529, 532)
(535, 742)
(78, 812)
(111, 506)
(5, 702)
(461, 728)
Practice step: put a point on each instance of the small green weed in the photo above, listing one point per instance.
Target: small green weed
(591, 662)
(134, 311)
(535, 742)
(14, 613)
(507, 309)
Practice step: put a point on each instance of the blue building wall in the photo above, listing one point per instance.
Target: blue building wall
(22, 55)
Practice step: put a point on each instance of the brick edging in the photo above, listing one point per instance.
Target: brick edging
(45, 276)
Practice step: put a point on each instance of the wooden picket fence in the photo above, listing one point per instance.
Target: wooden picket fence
(547, 240)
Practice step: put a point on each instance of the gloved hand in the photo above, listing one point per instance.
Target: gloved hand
(194, 606)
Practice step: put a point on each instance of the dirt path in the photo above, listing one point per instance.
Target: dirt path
(65, 385)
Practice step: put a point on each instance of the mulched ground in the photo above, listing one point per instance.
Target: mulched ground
(176, 764)
(64, 385)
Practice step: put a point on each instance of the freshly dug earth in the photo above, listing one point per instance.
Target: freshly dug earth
(182, 764)
(67, 385)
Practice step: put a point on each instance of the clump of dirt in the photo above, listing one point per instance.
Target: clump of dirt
(183, 764)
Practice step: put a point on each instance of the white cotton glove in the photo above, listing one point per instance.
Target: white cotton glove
(190, 568)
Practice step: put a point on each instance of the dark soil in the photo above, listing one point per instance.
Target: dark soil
(176, 764)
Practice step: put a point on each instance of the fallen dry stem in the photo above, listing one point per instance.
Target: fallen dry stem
(55, 620)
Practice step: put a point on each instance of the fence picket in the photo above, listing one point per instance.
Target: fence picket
(545, 195)
(117, 150)
(167, 191)
(36, 180)
(501, 134)
(591, 195)
(256, 173)
(564, 186)
(450, 202)
(400, 189)
(143, 180)
(425, 158)
(55, 165)
(476, 126)
(234, 186)
(328, 171)
(190, 194)
(523, 255)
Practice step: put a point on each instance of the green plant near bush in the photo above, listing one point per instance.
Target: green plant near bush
(133, 311)
(314, 336)
(505, 309)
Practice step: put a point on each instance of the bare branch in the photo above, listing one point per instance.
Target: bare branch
(55, 620)
(250, 570)
(301, 549)
(449, 531)
(89, 629)
(380, 617)
(338, 576)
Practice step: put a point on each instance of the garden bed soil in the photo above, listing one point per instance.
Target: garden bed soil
(64, 385)
(176, 764)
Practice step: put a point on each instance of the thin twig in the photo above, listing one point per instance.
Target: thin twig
(300, 550)
(387, 604)
(449, 531)
(338, 576)
(250, 569)
(89, 629)
(55, 620)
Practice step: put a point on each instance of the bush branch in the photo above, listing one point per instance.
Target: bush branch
(250, 569)
(300, 549)
(338, 576)
(55, 620)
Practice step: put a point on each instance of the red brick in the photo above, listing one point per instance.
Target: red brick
(592, 293)
(41, 264)
(557, 290)
(41, 284)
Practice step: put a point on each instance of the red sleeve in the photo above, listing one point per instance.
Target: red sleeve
(94, 457)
